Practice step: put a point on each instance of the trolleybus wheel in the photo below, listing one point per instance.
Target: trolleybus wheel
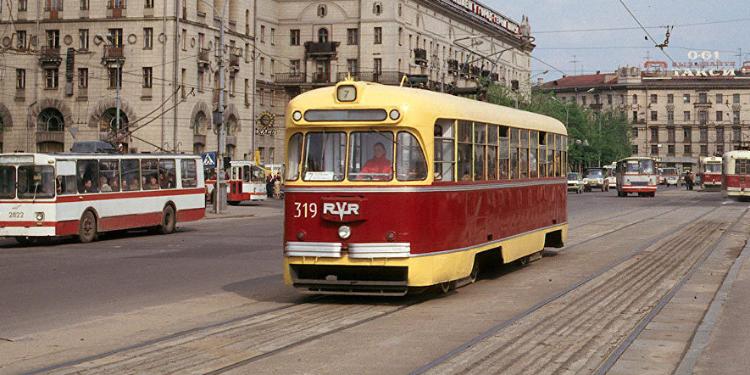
(87, 227)
(168, 222)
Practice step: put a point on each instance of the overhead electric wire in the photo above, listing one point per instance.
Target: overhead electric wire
(656, 44)
(624, 28)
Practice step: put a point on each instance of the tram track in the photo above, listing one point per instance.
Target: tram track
(580, 328)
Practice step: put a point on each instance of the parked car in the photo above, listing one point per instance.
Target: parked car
(594, 179)
(575, 182)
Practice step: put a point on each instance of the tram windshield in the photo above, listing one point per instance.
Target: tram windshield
(713, 168)
(371, 156)
(7, 181)
(640, 166)
(324, 156)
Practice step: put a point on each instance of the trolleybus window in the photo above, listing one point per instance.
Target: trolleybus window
(150, 174)
(504, 153)
(371, 156)
(444, 160)
(88, 176)
(324, 156)
(36, 181)
(131, 175)
(188, 173)
(167, 174)
(533, 152)
(7, 182)
(410, 162)
(480, 150)
(295, 153)
(514, 134)
(109, 175)
(492, 152)
(464, 150)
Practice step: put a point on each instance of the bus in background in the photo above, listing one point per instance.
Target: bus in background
(247, 182)
(636, 175)
(709, 172)
(50, 195)
(735, 177)
(392, 188)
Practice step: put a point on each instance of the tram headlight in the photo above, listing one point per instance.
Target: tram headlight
(394, 114)
(297, 115)
(345, 232)
(39, 216)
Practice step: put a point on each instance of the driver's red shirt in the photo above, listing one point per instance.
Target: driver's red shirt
(377, 165)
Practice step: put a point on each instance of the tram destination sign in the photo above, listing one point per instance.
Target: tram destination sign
(478, 10)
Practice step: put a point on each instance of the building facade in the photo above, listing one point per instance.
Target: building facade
(676, 115)
(61, 62)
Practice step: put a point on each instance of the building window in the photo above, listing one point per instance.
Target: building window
(378, 35)
(377, 8)
(149, 4)
(703, 117)
(262, 65)
(686, 116)
(634, 150)
(584, 100)
(670, 135)
(22, 5)
(736, 134)
(20, 79)
(247, 91)
(609, 99)
(262, 33)
(635, 117)
(83, 78)
(670, 98)
(21, 39)
(687, 150)
(686, 98)
(53, 38)
(148, 77)
(148, 38)
(654, 115)
(50, 79)
(654, 99)
(352, 37)
(351, 65)
(654, 150)
(622, 99)
(635, 99)
(670, 117)
(400, 11)
(201, 80)
(261, 96)
(323, 35)
(736, 99)
(184, 40)
(654, 134)
(114, 77)
(670, 150)
(294, 66)
(83, 39)
(736, 117)
(720, 135)
(719, 149)
(294, 37)
(272, 68)
(400, 36)
(719, 116)
(702, 98)
(635, 132)
(378, 66)
(704, 150)
(596, 96)
(687, 134)
(115, 36)
(322, 10)
(273, 36)
(703, 134)
(719, 99)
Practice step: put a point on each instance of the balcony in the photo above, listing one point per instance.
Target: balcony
(321, 49)
(204, 58)
(706, 104)
(50, 136)
(452, 66)
(420, 56)
(292, 78)
(113, 57)
(49, 57)
(386, 78)
(234, 62)
(116, 9)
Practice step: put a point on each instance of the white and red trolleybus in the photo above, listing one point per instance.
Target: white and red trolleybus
(636, 175)
(735, 178)
(709, 172)
(247, 182)
(50, 195)
(390, 188)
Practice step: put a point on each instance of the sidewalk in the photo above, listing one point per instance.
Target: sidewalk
(271, 207)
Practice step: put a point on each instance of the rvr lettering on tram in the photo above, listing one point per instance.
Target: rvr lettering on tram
(341, 209)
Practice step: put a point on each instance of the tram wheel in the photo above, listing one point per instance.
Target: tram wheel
(447, 286)
(168, 221)
(23, 240)
(87, 230)
(474, 275)
(523, 262)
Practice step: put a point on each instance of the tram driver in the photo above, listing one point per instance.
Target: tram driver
(379, 167)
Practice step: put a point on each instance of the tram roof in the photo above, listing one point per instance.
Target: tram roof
(424, 103)
(637, 158)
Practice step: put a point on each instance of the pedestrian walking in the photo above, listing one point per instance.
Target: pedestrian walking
(269, 186)
(277, 186)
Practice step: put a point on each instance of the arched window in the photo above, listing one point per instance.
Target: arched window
(232, 125)
(323, 35)
(377, 8)
(108, 121)
(200, 124)
(322, 10)
(50, 120)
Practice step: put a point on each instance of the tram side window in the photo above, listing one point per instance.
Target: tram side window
(464, 150)
(550, 147)
(36, 181)
(7, 182)
(88, 176)
(167, 174)
(560, 166)
(514, 142)
(109, 175)
(542, 154)
(480, 150)
(150, 174)
(444, 160)
(294, 156)
(324, 156)
(523, 159)
(188, 173)
(410, 162)
(244, 173)
(504, 153)
(131, 175)
(742, 166)
(492, 152)
(371, 156)
(564, 156)
(533, 153)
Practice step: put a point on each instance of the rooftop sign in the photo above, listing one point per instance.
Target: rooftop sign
(487, 14)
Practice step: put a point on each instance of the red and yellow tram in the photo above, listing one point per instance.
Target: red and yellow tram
(735, 177)
(709, 172)
(391, 188)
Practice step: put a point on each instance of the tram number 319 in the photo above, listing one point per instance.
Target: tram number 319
(306, 210)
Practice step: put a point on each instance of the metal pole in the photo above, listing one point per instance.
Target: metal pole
(117, 96)
(220, 117)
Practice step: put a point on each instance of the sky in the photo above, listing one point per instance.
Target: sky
(729, 30)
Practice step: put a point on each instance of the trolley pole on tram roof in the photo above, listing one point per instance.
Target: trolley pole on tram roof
(219, 118)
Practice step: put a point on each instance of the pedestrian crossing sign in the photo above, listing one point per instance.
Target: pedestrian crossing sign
(209, 159)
